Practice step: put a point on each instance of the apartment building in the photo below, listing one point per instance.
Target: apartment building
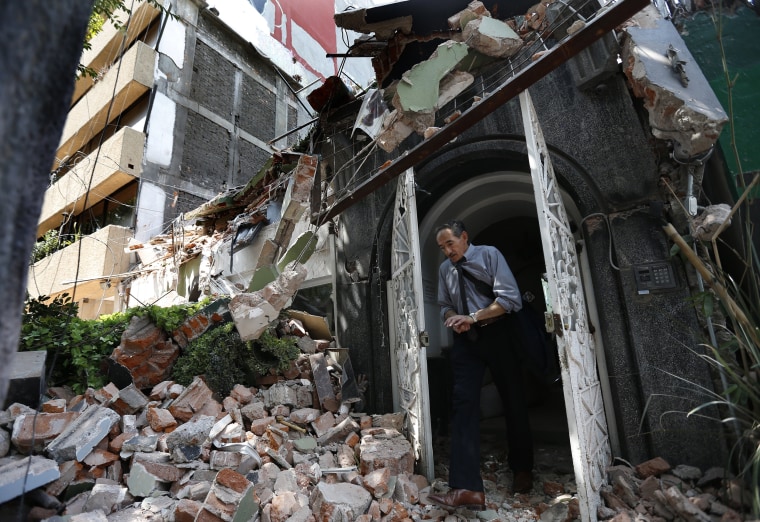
(183, 107)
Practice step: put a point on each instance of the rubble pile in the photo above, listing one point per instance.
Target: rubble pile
(178, 454)
(294, 448)
(653, 490)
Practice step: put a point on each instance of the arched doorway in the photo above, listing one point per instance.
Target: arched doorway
(495, 204)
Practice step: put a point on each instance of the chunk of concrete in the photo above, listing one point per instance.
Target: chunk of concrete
(492, 37)
(385, 449)
(106, 497)
(192, 433)
(25, 377)
(197, 399)
(159, 465)
(253, 312)
(81, 435)
(230, 498)
(323, 383)
(338, 502)
(280, 393)
(690, 115)
(161, 419)
(419, 87)
(22, 475)
(143, 483)
(339, 432)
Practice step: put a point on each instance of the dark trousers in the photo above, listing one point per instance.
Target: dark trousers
(496, 348)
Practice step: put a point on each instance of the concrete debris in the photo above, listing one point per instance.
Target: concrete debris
(492, 37)
(285, 457)
(80, 437)
(688, 115)
(20, 475)
(707, 223)
(145, 352)
(253, 312)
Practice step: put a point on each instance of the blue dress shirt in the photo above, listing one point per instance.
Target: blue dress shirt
(486, 264)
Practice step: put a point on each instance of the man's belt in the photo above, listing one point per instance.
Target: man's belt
(491, 320)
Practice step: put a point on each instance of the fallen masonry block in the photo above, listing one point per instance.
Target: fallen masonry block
(230, 498)
(406, 490)
(130, 400)
(187, 510)
(253, 312)
(35, 430)
(159, 465)
(54, 406)
(140, 443)
(340, 432)
(323, 382)
(304, 415)
(254, 410)
(385, 448)
(20, 476)
(143, 483)
(492, 37)
(107, 394)
(106, 497)
(195, 400)
(145, 352)
(161, 419)
(280, 393)
(79, 437)
(338, 502)
(191, 433)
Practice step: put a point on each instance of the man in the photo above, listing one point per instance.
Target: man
(486, 332)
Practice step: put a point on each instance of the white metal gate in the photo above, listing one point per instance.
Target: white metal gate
(408, 353)
(589, 440)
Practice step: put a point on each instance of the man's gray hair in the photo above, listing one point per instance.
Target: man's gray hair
(456, 227)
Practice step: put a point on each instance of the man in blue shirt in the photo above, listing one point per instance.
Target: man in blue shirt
(479, 298)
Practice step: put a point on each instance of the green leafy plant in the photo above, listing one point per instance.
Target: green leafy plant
(225, 360)
(50, 243)
(273, 353)
(220, 355)
(108, 11)
(77, 348)
(171, 317)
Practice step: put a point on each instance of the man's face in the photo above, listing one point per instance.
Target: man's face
(453, 247)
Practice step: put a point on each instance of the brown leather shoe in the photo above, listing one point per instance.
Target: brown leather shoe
(523, 481)
(455, 498)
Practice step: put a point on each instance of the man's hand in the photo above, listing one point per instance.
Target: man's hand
(459, 323)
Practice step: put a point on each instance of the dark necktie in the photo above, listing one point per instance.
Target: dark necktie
(462, 293)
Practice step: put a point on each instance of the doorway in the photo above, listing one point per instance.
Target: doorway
(499, 209)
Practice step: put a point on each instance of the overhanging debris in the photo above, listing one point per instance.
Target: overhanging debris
(523, 72)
